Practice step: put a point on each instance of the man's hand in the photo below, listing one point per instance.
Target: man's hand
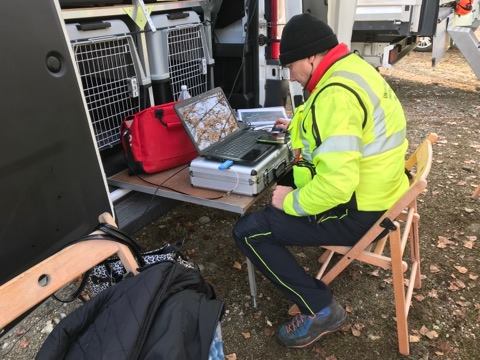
(282, 124)
(279, 194)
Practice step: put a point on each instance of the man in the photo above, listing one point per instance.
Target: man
(349, 139)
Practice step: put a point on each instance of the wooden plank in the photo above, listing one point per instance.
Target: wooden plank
(175, 184)
(37, 283)
(116, 10)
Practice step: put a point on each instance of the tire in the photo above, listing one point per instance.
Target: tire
(424, 44)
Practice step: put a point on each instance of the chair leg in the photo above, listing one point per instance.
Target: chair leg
(325, 260)
(399, 293)
(415, 245)
(380, 246)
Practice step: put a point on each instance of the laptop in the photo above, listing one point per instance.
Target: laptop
(217, 135)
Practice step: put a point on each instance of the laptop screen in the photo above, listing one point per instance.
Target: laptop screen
(208, 118)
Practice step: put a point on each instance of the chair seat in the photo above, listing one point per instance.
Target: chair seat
(367, 257)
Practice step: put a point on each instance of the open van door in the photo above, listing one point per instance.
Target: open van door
(247, 34)
(246, 45)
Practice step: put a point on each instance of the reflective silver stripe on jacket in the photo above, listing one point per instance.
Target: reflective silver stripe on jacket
(306, 152)
(382, 142)
(385, 143)
(296, 203)
(338, 143)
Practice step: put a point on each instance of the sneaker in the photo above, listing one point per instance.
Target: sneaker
(303, 330)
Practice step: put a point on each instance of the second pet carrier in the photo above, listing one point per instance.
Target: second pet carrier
(178, 55)
(111, 73)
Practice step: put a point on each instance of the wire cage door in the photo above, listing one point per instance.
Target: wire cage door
(187, 59)
(109, 74)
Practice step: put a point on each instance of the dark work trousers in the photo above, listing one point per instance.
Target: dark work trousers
(263, 236)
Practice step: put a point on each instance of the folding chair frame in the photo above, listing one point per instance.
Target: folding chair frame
(402, 215)
(36, 284)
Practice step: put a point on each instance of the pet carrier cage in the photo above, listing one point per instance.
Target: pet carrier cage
(111, 74)
(178, 55)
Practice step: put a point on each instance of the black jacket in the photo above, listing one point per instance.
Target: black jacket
(165, 312)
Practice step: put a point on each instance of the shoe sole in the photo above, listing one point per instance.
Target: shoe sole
(337, 327)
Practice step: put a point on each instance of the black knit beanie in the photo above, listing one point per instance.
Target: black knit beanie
(303, 36)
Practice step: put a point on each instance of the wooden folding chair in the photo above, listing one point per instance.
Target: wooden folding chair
(36, 284)
(398, 226)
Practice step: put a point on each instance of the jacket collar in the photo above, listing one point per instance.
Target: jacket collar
(335, 54)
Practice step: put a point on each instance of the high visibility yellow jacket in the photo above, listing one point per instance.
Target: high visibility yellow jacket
(351, 132)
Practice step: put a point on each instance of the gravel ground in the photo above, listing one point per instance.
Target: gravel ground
(445, 314)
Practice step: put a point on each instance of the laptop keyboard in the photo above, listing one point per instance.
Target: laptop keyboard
(240, 145)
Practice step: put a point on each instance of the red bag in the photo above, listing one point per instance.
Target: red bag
(154, 140)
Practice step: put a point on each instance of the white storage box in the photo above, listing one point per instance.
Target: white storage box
(241, 179)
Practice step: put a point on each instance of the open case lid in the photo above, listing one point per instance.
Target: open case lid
(52, 186)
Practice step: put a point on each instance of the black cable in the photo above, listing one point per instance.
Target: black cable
(161, 185)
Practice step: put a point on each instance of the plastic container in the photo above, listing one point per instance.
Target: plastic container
(178, 55)
(184, 94)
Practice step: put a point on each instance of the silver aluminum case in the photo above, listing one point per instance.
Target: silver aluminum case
(241, 179)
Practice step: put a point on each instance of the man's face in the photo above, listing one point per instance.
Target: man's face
(300, 71)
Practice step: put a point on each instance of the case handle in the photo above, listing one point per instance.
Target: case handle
(177, 16)
(94, 26)
(171, 125)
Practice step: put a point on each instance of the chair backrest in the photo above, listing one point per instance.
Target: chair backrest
(419, 163)
(421, 159)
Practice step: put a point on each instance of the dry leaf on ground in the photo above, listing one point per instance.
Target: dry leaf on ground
(443, 242)
(461, 269)
(423, 330)
(434, 268)
(468, 244)
(356, 332)
(453, 287)
(237, 265)
(375, 273)
(414, 338)
(419, 297)
(246, 335)
(357, 329)
(231, 356)
(459, 283)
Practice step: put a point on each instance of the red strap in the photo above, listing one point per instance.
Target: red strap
(328, 60)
